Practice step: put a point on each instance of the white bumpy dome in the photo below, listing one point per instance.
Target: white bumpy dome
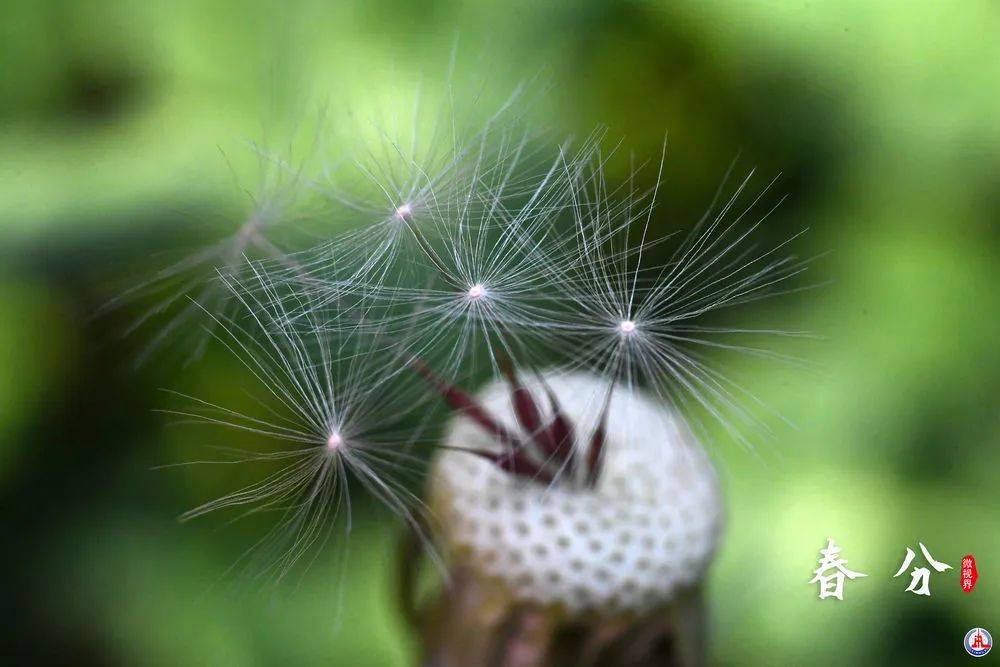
(645, 531)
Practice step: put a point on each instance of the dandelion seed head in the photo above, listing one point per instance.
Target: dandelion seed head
(626, 327)
(647, 530)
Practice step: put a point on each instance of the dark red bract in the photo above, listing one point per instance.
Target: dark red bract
(540, 451)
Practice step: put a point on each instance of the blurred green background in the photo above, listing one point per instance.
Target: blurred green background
(881, 117)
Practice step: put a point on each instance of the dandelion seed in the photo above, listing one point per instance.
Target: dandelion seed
(612, 285)
(337, 406)
(278, 208)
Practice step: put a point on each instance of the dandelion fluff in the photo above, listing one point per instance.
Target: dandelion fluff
(338, 408)
(630, 315)
(583, 490)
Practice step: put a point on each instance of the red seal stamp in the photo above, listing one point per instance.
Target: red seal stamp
(969, 573)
